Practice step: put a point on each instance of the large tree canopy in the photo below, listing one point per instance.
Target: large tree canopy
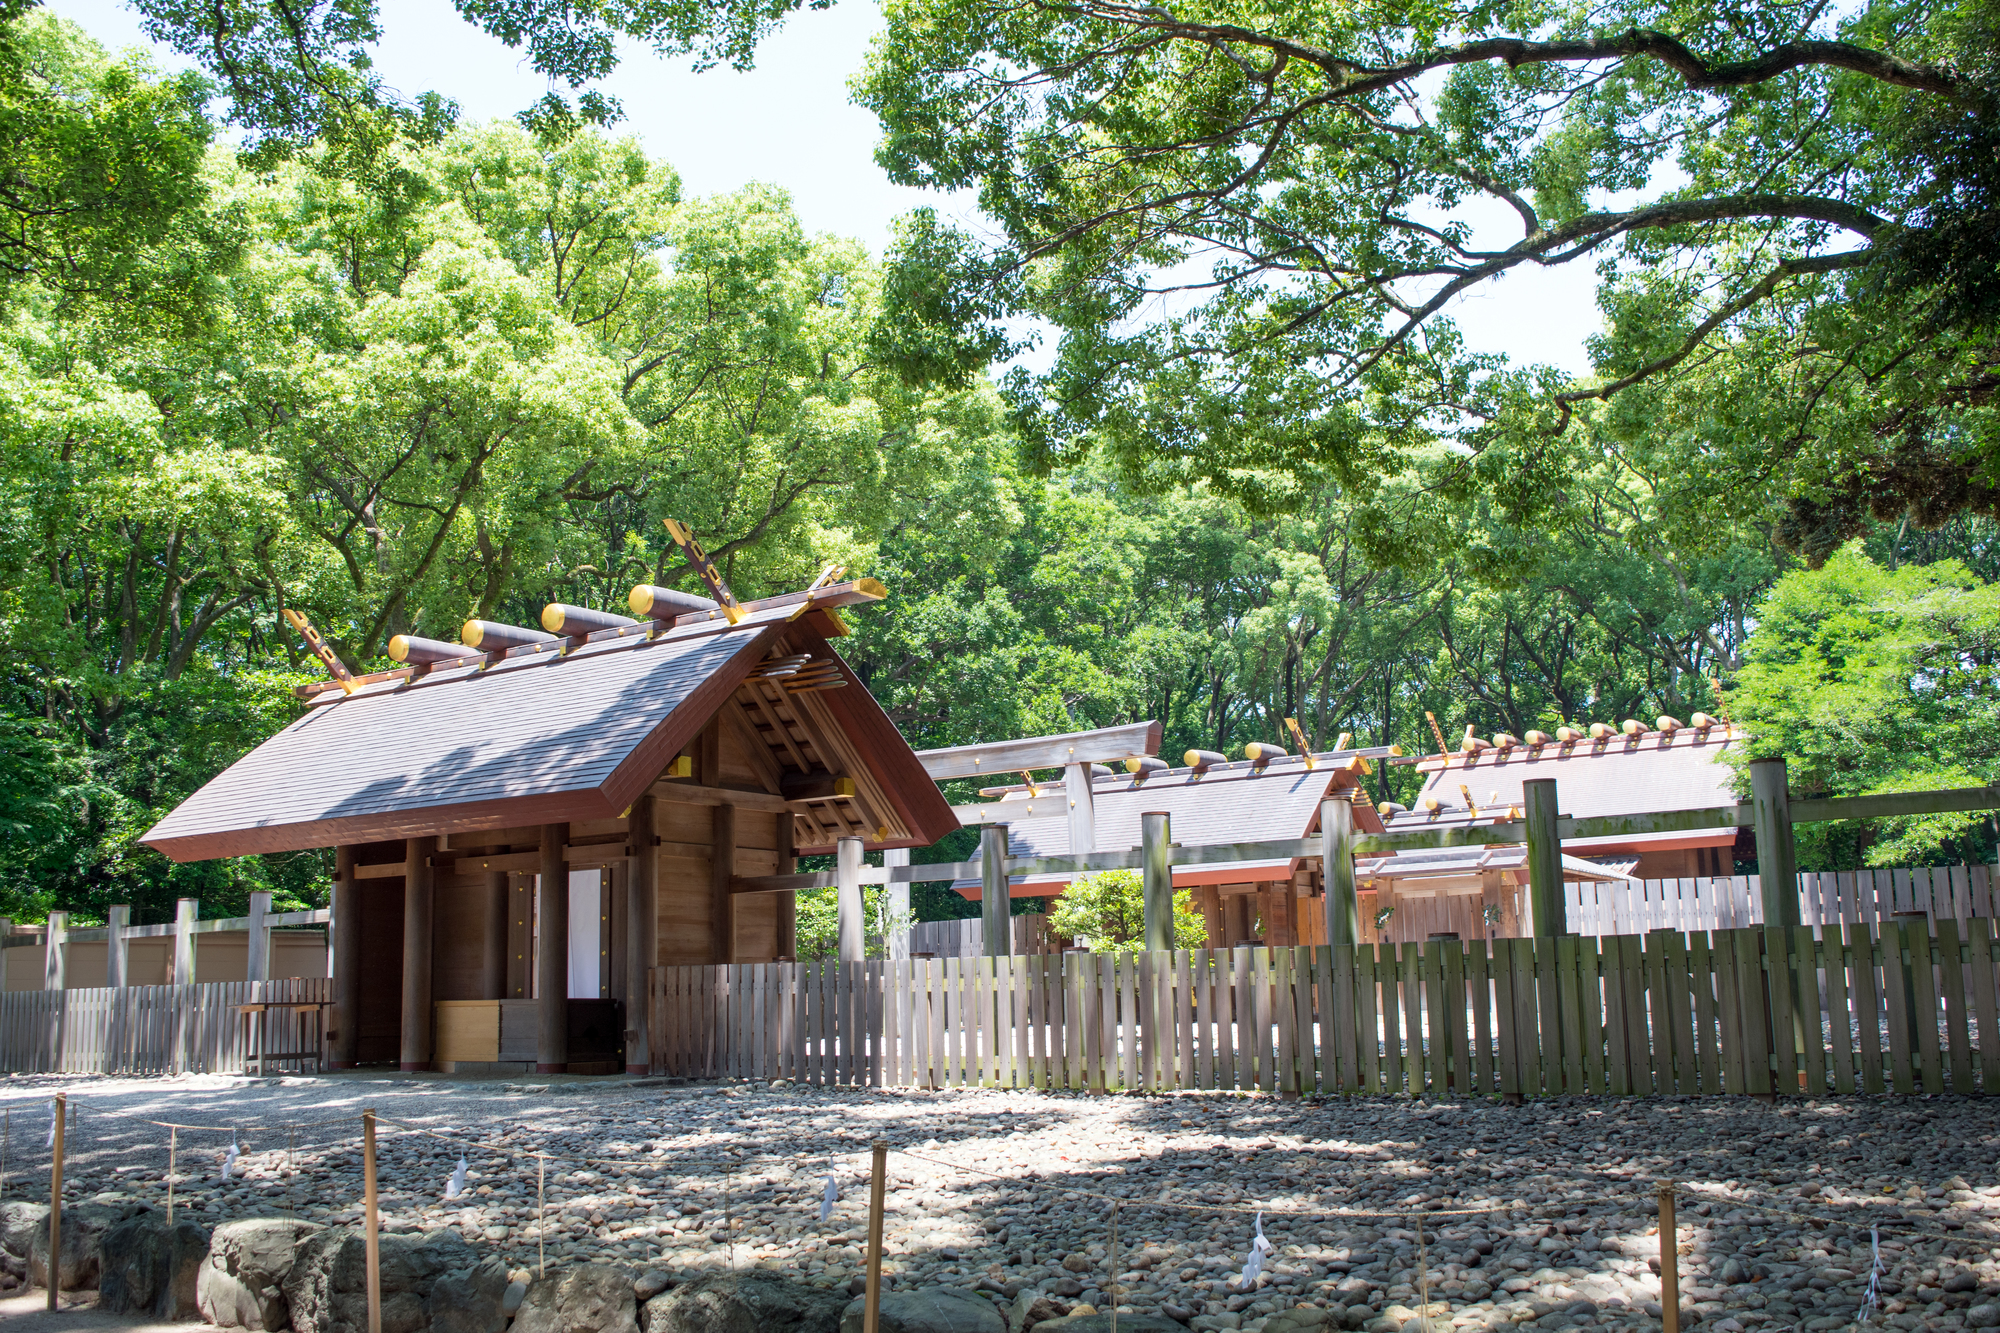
(1247, 226)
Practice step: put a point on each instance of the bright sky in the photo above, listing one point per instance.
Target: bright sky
(790, 122)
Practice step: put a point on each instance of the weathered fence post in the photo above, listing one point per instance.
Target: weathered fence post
(54, 1273)
(850, 913)
(55, 960)
(257, 960)
(1157, 928)
(185, 910)
(895, 905)
(1082, 809)
(1777, 855)
(1545, 879)
(1670, 1262)
(995, 908)
(117, 949)
(871, 1305)
(372, 1231)
(1336, 832)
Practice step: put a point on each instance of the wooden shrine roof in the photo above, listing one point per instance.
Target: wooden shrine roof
(1244, 803)
(1618, 775)
(548, 738)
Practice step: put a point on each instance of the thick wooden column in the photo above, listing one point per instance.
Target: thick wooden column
(186, 912)
(722, 903)
(552, 955)
(788, 903)
(642, 951)
(1336, 832)
(851, 915)
(418, 892)
(1777, 854)
(117, 948)
(493, 946)
(1157, 891)
(1545, 875)
(996, 907)
(346, 960)
(55, 958)
(896, 905)
(257, 960)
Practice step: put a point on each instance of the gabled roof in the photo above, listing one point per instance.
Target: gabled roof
(541, 738)
(1261, 803)
(1619, 775)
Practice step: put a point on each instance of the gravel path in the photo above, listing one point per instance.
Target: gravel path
(1004, 1191)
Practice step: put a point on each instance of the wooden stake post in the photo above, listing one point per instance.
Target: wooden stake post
(871, 1306)
(1157, 923)
(371, 1228)
(1670, 1266)
(55, 1202)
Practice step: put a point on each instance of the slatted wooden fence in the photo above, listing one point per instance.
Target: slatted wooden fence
(1887, 1008)
(1960, 893)
(138, 1029)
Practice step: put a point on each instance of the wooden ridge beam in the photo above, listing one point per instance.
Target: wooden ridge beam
(1103, 746)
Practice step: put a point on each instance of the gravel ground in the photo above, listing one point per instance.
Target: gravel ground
(1000, 1191)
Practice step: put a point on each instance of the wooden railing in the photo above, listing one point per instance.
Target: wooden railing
(138, 1029)
(1857, 897)
(1885, 1008)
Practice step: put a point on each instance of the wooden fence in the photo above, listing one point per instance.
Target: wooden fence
(966, 938)
(1860, 897)
(138, 1029)
(1885, 1008)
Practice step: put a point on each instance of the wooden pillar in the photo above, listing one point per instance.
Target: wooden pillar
(1545, 881)
(896, 905)
(493, 943)
(721, 902)
(1278, 901)
(1157, 925)
(1082, 810)
(346, 960)
(6, 935)
(418, 893)
(55, 956)
(641, 932)
(1777, 855)
(996, 910)
(1336, 831)
(788, 903)
(257, 958)
(185, 911)
(1210, 898)
(117, 949)
(850, 916)
(552, 955)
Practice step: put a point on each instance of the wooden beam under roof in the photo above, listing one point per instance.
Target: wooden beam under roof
(1104, 746)
(833, 746)
(761, 759)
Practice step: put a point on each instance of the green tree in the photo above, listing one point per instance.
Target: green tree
(1868, 679)
(1107, 912)
(1245, 226)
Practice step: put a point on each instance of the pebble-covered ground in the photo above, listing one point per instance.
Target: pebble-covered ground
(1544, 1213)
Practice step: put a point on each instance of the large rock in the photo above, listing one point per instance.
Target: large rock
(931, 1310)
(747, 1302)
(146, 1267)
(473, 1301)
(19, 1221)
(327, 1289)
(242, 1281)
(83, 1228)
(588, 1298)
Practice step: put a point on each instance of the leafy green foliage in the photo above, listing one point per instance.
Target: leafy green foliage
(1872, 679)
(819, 923)
(1245, 227)
(1107, 912)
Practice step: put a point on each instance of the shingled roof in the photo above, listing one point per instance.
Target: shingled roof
(1617, 775)
(1244, 803)
(538, 738)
